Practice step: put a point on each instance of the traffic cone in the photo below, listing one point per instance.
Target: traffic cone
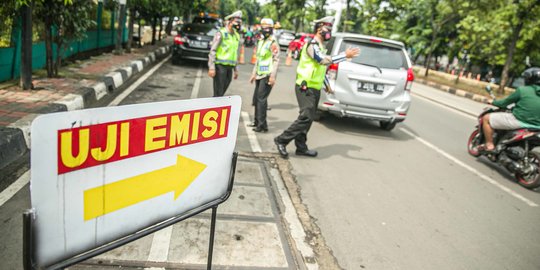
(254, 56)
(288, 60)
(241, 60)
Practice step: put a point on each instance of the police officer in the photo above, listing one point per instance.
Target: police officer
(310, 78)
(224, 54)
(264, 73)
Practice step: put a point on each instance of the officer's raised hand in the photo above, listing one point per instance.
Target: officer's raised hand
(352, 52)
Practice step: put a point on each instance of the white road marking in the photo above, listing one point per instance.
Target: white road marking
(465, 113)
(252, 137)
(136, 84)
(471, 169)
(10, 191)
(159, 251)
(197, 84)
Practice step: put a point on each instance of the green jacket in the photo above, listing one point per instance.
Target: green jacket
(527, 109)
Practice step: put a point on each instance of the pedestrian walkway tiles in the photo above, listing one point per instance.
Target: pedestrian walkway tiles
(249, 232)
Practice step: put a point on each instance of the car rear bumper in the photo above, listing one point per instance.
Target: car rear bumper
(335, 107)
(182, 52)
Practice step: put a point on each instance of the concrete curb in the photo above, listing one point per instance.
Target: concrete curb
(15, 138)
(454, 91)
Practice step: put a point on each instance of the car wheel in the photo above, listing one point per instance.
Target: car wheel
(387, 125)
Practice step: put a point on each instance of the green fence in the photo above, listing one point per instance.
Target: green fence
(10, 58)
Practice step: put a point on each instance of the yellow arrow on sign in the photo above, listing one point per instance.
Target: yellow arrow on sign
(111, 197)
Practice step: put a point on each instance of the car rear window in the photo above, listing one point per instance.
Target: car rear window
(199, 28)
(377, 55)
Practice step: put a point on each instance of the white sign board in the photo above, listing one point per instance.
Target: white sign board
(101, 174)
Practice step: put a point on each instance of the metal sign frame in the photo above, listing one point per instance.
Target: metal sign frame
(29, 234)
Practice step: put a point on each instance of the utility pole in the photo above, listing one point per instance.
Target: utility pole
(26, 48)
(338, 17)
(121, 23)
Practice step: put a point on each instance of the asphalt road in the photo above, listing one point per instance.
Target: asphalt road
(411, 198)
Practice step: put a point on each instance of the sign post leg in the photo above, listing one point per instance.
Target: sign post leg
(212, 231)
(28, 239)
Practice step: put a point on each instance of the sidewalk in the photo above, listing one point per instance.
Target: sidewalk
(83, 85)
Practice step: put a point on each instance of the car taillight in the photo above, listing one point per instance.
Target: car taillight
(332, 71)
(410, 79)
(178, 40)
(375, 40)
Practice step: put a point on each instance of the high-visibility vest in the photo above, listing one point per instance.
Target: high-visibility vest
(264, 57)
(227, 51)
(310, 70)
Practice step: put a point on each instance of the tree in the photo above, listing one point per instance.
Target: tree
(517, 34)
(70, 22)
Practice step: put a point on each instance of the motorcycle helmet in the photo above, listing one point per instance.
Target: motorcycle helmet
(531, 76)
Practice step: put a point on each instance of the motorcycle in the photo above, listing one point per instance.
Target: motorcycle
(513, 149)
(249, 41)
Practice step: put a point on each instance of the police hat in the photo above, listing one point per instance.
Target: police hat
(267, 22)
(326, 21)
(236, 14)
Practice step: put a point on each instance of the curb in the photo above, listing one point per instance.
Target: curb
(15, 138)
(454, 91)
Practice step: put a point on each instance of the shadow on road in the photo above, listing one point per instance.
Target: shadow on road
(348, 151)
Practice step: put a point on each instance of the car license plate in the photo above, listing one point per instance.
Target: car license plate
(199, 44)
(370, 87)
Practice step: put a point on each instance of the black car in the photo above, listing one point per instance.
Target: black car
(193, 42)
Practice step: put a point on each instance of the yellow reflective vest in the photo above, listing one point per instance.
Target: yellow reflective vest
(310, 70)
(227, 51)
(264, 57)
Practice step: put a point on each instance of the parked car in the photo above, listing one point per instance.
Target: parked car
(295, 46)
(284, 38)
(374, 85)
(193, 42)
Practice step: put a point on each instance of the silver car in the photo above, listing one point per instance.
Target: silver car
(375, 85)
(284, 38)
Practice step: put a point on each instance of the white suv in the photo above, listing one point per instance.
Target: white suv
(374, 85)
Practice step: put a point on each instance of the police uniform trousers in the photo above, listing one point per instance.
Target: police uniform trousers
(260, 100)
(223, 79)
(297, 131)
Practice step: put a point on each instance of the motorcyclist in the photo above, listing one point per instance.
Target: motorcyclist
(525, 114)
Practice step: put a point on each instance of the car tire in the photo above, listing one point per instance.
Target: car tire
(387, 125)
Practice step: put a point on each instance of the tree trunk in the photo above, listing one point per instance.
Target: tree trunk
(58, 61)
(130, 29)
(347, 16)
(509, 57)
(48, 50)
(140, 31)
(154, 22)
(168, 28)
(26, 47)
(160, 28)
(431, 49)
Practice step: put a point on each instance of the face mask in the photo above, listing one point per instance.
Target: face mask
(326, 35)
(237, 26)
(266, 32)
